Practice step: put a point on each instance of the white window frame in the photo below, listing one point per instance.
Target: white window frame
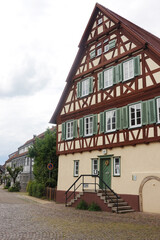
(111, 117)
(128, 70)
(88, 126)
(108, 77)
(85, 87)
(99, 51)
(69, 130)
(158, 109)
(133, 116)
(106, 48)
(116, 167)
(95, 166)
(76, 168)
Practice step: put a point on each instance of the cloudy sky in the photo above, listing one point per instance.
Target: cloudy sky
(39, 41)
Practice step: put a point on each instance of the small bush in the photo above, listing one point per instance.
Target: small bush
(40, 190)
(8, 184)
(51, 182)
(94, 207)
(34, 189)
(82, 205)
(29, 188)
(15, 188)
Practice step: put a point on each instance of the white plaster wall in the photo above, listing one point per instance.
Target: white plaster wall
(137, 162)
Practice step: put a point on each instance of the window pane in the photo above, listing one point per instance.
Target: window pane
(69, 130)
(108, 78)
(128, 70)
(85, 87)
(95, 167)
(135, 115)
(88, 126)
(76, 168)
(110, 120)
(117, 166)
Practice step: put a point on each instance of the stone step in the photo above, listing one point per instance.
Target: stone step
(126, 211)
(114, 209)
(119, 204)
(115, 200)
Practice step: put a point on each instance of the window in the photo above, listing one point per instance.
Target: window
(116, 166)
(99, 21)
(99, 51)
(76, 168)
(93, 54)
(85, 87)
(158, 110)
(69, 130)
(94, 166)
(88, 126)
(135, 115)
(108, 77)
(106, 40)
(106, 48)
(111, 121)
(128, 70)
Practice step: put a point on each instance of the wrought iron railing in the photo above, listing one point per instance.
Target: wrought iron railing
(76, 185)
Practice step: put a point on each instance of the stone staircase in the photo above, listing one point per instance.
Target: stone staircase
(109, 199)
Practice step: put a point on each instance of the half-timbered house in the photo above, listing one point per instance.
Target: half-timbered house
(108, 117)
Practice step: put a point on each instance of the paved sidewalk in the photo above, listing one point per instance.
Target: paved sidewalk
(26, 218)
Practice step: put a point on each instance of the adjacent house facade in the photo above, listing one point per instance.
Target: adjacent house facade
(108, 117)
(21, 158)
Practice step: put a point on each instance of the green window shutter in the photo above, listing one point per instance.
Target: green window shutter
(124, 117)
(112, 44)
(75, 128)
(152, 111)
(100, 80)
(136, 66)
(120, 72)
(91, 85)
(114, 75)
(78, 89)
(95, 122)
(81, 127)
(118, 119)
(144, 113)
(101, 122)
(63, 131)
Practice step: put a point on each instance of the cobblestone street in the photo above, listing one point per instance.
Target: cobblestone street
(23, 217)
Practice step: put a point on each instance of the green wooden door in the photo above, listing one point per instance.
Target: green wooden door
(105, 172)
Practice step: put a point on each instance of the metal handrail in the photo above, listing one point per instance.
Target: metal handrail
(82, 183)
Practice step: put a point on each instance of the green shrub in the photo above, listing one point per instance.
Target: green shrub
(34, 189)
(8, 184)
(94, 207)
(82, 205)
(40, 190)
(15, 188)
(51, 182)
(30, 188)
